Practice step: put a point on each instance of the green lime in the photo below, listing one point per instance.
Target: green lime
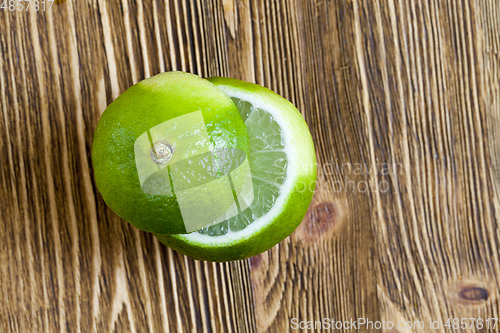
(160, 138)
(282, 163)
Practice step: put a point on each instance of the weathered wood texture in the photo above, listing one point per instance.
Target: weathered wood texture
(409, 90)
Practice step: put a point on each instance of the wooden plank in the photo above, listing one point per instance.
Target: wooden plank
(414, 95)
(70, 264)
(422, 85)
(403, 93)
(324, 270)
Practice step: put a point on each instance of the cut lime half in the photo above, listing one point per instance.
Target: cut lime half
(283, 169)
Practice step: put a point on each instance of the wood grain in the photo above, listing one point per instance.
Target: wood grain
(436, 230)
(402, 99)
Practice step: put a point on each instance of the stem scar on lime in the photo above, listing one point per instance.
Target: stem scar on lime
(162, 152)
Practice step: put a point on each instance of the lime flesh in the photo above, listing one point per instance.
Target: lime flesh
(268, 163)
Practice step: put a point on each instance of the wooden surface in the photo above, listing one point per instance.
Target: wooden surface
(410, 90)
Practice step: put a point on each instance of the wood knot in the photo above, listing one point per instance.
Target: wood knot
(474, 294)
(321, 217)
(471, 291)
(255, 261)
(321, 220)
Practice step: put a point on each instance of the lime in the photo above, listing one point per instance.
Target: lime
(162, 134)
(283, 175)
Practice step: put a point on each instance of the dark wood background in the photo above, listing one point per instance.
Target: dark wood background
(410, 87)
